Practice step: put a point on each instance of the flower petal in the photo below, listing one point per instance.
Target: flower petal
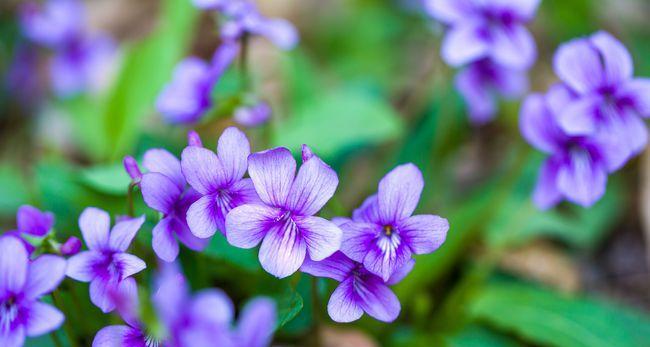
(159, 192)
(272, 172)
(43, 318)
(344, 305)
(582, 181)
(358, 239)
(13, 265)
(114, 336)
(513, 46)
(95, 224)
(579, 65)
(247, 225)
(463, 44)
(32, 221)
(377, 300)
(424, 233)
(202, 217)
(202, 169)
(368, 211)
(123, 233)
(283, 250)
(233, 150)
(129, 264)
(525, 9)
(323, 237)
(164, 243)
(188, 239)
(44, 275)
(81, 266)
(212, 306)
(161, 161)
(12, 337)
(279, 31)
(399, 193)
(314, 185)
(449, 11)
(637, 94)
(579, 117)
(384, 257)
(478, 95)
(538, 126)
(546, 194)
(617, 61)
(257, 323)
(401, 273)
(337, 266)
(101, 294)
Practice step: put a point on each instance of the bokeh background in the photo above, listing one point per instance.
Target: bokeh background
(366, 88)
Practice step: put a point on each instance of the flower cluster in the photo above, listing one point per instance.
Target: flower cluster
(489, 39)
(79, 59)
(187, 98)
(589, 123)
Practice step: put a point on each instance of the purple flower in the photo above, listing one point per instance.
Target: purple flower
(193, 139)
(132, 169)
(482, 81)
(71, 246)
(164, 189)
(22, 80)
(359, 290)
(188, 96)
(599, 70)
(285, 222)
(256, 324)
(22, 283)
(486, 29)
(31, 222)
(577, 166)
(383, 234)
(252, 116)
(218, 179)
(106, 265)
(53, 23)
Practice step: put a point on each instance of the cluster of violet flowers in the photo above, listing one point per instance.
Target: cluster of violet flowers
(187, 98)
(489, 41)
(79, 58)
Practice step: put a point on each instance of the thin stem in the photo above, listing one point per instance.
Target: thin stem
(129, 200)
(66, 325)
(315, 299)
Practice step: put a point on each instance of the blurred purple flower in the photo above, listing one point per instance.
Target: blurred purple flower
(71, 246)
(22, 80)
(193, 139)
(22, 284)
(577, 166)
(383, 234)
(132, 169)
(218, 179)
(599, 70)
(359, 290)
(187, 97)
(252, 116)
(285, 222)
(256, 324)
(164, 189)
(486, 29)
(106, 265)
(53, 23)
(30, 221)
(481, 82)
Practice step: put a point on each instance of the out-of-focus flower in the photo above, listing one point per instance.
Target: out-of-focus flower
(256, 324)
(359, 290)
(486, 29)
(285, 222)
(383, 234)
(481, 82)
(31, 222)
(577, 166)
(22, 79)
(53, 23)
(22, 284)
(164, 189)
(132, 169)
(193, 139)
(105, 264)
(252, 116)
(71, 246)
(599, 70)
(218, 179)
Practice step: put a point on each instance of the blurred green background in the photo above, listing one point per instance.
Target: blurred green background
(367, 90)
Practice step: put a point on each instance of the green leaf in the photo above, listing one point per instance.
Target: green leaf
(108, 179)
(13, 191)
(477, 336)
(220, 249)
(290, 303)
(339, 120)
(545, 317)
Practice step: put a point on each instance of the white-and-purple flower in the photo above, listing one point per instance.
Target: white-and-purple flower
(285, 223)
(486, 29)
(22, 284)
(383, 233)
(359, 290)
(577, 166)
(105, 264)
(599, 70)
(219, 180)
(31, 222)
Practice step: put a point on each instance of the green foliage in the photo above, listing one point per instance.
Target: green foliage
(108, 179)
(13, 191)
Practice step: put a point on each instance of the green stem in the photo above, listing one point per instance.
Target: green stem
(129, 199)
(316, 309)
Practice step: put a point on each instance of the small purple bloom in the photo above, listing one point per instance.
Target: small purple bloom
(164, 189)
(482, 81)
(53, 23)
(105, 264)
(252, 116)
(218, 179)
(132, 169)
(383, 234)
(22, 284)
(577, 166)
(71, 246)
(285, 222)
(359, 290)
(193, 139)
(599, 70)
(31, 222)
(486, 29)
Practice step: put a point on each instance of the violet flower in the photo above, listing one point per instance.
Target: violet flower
(486, 29)
(599, 70)
(252, 116)
(164, 189)
(359, 290)
(188, 96)
(577, 166)
(22, 284)
(256, 324)
(481, 82)
(52, 23)
(31, 222)
(71, 246)
(285, 222)
(383, 234)
(218, 179)
(106, 265)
